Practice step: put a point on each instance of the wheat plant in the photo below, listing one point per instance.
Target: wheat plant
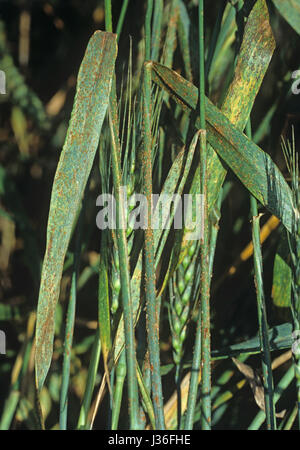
(126, 325)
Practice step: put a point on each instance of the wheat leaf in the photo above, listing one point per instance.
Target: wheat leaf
(76, 159)
(252, 166)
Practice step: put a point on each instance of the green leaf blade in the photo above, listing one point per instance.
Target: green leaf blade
(253, 166)
(280, 337)
(90, 105)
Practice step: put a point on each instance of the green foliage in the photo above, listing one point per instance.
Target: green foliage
(70, 180)
(141, 324)
(290, 10)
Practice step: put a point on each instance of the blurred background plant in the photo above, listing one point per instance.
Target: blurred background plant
(41, 46)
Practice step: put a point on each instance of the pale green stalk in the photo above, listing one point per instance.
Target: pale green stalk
(121, 18)
(90, 383)
(118, 391)
(152, 313)
(266, 360)
(202, 340)
(122, 248)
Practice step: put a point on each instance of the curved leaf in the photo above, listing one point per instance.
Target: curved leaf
(252, 166)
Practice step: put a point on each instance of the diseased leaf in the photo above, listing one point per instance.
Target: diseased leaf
(253, 60)
(250, 70)
(75, 163)
(156, 27)
(252, 166)
(170, 40)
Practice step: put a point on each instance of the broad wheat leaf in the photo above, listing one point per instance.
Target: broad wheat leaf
(253, 60)
(91, 101)
(252, 63)
(252, 166)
